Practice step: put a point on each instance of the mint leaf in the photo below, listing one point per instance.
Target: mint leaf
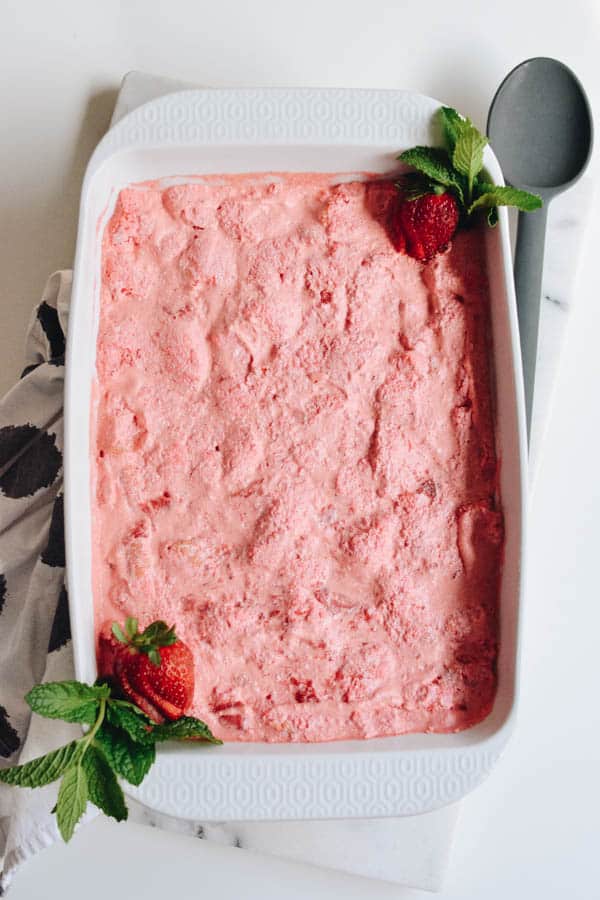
(103, 788)
(125, 715)
(492, 216)
(182, 728)
(43, 769)
(131, 760)
(435, 164)
(453, 125)
(67, 700)
(143, 730)
(467, 156)
(494, 195)
(72, 800)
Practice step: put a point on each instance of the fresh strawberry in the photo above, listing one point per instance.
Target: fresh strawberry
(109, 648)
(394, 229)
(425, 226)
(153, 668)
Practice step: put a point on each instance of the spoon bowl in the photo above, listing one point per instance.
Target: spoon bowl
(540, 127)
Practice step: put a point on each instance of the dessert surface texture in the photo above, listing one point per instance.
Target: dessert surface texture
(293, 456)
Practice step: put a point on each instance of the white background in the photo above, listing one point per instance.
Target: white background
(532, 830)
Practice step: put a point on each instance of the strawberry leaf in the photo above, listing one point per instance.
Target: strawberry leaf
(154, 657)
(129, 759)
(72, 800)
(158, 634)
(67, 700)
(43, 769)
(103, 788)
(186, 727)
(494, 195)
(131, 626)
(118, 633)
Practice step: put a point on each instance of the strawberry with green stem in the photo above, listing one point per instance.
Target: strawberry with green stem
(153, 668)
(447, 187)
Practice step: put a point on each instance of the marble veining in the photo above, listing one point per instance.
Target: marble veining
(567, 219)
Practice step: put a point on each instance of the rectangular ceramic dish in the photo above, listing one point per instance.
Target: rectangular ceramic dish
(217, 131)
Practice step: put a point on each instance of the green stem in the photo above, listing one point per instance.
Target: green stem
(89, 737)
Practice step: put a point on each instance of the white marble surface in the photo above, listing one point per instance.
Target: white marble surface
(566, 244)
(531, 830)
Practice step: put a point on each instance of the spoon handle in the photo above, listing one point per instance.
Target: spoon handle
(529, 262)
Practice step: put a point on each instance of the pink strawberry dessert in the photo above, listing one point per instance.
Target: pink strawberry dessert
(294, 457)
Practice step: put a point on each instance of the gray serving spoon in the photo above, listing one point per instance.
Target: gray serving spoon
(540, 127)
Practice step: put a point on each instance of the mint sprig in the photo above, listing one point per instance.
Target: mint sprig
(121, 742)
(458, 168)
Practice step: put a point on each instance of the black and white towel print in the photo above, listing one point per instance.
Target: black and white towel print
(34, 620)
(31, 522)
(35, 636)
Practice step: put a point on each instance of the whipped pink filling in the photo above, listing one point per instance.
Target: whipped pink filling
(294, 456)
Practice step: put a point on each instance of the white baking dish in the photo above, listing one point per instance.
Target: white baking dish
(218, 131)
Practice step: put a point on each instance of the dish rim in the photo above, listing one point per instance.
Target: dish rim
(421, 778)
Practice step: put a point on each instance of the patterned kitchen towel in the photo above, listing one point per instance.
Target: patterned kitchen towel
(35, 645)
